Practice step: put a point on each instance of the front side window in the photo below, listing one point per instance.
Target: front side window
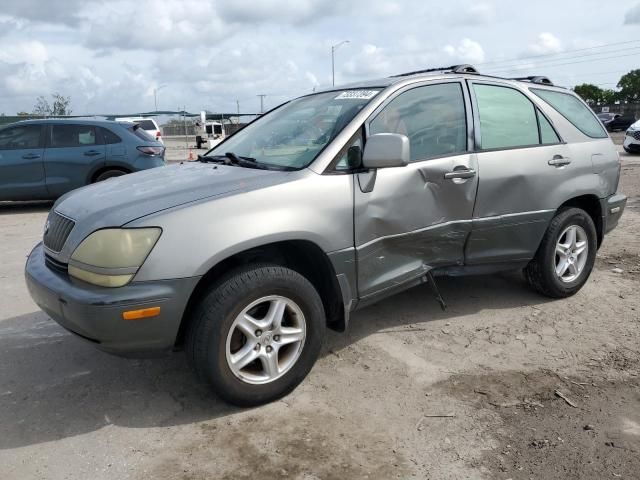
(508, 119)
(293, 135)
(573, 110)
(433, 117)
(72, 136)
(20, 137)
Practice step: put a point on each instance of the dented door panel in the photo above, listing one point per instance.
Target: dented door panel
(411, 221)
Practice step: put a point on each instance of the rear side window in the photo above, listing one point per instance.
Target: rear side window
(72, 136)
(23, 136)
(508, 119)
(110, 137)
(146, 124)
(141, 133)
(573, 110)
(433, 117)
(548, 135)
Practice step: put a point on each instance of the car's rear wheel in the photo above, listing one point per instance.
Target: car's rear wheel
(109, 174)
(256, 334)
(566, 255)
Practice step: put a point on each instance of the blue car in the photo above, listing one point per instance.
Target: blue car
(44, 159)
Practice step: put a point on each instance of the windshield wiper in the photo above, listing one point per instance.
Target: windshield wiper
(231, 158)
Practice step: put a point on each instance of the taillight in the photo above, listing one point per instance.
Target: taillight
(153, 151)
(158, 134)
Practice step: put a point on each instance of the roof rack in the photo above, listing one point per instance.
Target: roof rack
(465, 68)
(540, 80)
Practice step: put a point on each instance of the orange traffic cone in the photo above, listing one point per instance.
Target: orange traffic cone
(191, 155)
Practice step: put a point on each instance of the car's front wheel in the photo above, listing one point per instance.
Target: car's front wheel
(566, 255)
(256, 334)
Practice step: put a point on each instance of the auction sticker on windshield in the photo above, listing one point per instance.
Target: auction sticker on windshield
(357, 95)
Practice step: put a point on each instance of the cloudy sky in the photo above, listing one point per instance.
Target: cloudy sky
(206, 54)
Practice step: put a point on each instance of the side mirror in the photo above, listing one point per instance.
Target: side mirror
(385, 150)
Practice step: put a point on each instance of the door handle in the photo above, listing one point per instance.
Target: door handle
(460, 173)
(559, 161)
(92, 153)
(30, 156)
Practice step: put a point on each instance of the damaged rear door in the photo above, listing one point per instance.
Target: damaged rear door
(414, 218)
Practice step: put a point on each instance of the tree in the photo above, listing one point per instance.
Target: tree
(42, 107)
(61, 106)
(609, 96)
(592, 94)
(23, 114)
(629, 86)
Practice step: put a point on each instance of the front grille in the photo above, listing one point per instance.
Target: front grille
(636, 135)
(56, 231)
(55, 265)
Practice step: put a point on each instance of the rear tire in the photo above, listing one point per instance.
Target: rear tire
(566, 255)
(109, 174)
(220, 338)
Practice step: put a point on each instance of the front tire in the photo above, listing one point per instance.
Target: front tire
(256, 335)
(566, 255)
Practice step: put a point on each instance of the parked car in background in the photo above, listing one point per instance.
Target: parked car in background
(44, 159)
(632, 139)
(148, 124)
(620, 122)
(326, 204)
(606, 117)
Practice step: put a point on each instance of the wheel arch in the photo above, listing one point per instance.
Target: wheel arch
(105, 168)
(591, 204)
(302, 256)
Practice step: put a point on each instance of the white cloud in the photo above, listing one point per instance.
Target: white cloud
(546, 43)
(632, 17)
(467, 51)
(476, 14)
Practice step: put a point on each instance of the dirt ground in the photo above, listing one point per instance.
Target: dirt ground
(504, 384)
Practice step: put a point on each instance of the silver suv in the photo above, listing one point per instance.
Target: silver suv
(324, 205)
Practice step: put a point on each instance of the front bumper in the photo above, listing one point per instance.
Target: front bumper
(631, 144)
(612, 208)
(95, 313)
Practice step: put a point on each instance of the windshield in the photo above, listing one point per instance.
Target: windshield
(293, 135)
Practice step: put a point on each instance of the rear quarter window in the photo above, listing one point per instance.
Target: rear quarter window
(573, 110)
(141, 133)
(147, 124)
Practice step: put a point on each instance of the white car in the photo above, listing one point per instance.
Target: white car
(632, 139)
(147, 124)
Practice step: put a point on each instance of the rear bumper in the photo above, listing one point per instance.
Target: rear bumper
(612, 208)
(95, 313)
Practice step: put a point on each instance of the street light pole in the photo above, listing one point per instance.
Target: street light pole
(155, 95)
(333, 62)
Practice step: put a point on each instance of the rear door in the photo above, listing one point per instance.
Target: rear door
(522, 161)
(21, 169)
(73, 152)
(417, 217)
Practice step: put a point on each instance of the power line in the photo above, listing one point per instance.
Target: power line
(553, 60)
(558, 53)
(513, 69)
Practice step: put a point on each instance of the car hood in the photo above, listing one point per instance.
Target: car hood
(120, 200)
(636, 125)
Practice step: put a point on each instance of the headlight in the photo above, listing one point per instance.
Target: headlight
(111, 257)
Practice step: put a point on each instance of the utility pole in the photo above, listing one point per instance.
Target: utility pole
(238, 106)
(333, 54)
(155, 95)
(184, 122)
(262, 102)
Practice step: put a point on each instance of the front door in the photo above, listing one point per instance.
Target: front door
(411, 219)
(73, 152)
(21, 170)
